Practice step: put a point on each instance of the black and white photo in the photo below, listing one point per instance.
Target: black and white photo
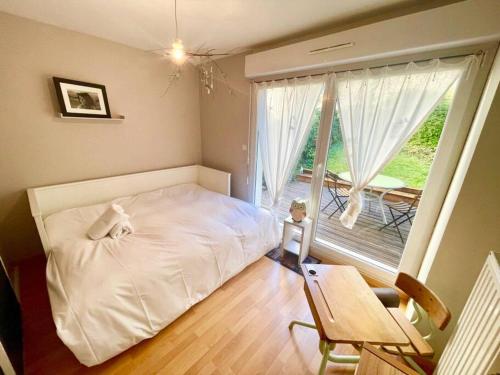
(81, 99)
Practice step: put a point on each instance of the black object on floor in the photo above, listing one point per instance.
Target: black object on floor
(11, 335)
(388, 296)
(290, 260)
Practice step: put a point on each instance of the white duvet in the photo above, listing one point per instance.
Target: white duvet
(108, 295)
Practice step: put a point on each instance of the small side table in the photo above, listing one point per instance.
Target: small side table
(289, 243)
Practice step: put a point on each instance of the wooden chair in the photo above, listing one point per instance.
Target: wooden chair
(376, 362)
(431, 314)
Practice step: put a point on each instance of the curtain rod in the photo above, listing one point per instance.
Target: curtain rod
(479, 53)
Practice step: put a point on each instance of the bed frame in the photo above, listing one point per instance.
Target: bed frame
(47, 200)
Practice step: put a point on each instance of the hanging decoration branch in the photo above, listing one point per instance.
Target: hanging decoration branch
(171, 79)
(210, 71)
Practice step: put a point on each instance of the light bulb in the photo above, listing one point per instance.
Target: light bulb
(178, 53)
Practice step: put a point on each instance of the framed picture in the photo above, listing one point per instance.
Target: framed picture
(81, 99)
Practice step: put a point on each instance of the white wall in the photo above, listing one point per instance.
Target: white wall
(462, 23)
(473, 229)
(224, 125)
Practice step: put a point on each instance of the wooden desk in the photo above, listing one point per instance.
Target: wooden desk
(345, 310)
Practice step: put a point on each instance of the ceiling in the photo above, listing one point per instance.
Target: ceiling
(227, 25)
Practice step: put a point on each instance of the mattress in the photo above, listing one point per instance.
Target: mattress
(108, 295)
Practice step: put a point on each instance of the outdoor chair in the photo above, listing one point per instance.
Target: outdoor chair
(401, 212)
(337, 191)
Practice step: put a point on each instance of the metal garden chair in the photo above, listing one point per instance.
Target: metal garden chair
(401, 212)
(337, 192)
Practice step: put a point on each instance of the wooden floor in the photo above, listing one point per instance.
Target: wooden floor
(364, 238)
(242, 328)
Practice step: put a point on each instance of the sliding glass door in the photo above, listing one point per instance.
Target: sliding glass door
(390, 200)
(375, 163)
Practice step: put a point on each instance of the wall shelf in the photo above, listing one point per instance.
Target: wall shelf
(117, 118)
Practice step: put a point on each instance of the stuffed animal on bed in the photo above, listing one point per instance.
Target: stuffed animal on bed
(298, 210)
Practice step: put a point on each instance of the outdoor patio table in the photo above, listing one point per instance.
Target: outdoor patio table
(381, 182)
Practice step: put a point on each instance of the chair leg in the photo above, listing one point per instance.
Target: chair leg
(325, 349)
(409, 219)
(393, 221)
(324, 208)
(340, 207)
(333, 213)
(399, 232)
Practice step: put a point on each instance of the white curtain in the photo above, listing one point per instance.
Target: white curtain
(380, 109)
(284, 111)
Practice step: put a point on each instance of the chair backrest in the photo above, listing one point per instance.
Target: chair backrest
(332, 178)
(425, 298)
(416, 200)
(330, 175)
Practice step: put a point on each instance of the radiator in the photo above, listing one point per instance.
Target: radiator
(474, 344)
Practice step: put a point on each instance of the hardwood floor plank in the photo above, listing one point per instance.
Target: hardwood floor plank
(242, 328)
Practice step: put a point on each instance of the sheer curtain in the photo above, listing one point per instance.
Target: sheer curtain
(380, 109)
(284, 112)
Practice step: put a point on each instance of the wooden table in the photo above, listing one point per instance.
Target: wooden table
(345, 310)
(382, 182)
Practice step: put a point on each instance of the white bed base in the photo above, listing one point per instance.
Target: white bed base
(47, 200)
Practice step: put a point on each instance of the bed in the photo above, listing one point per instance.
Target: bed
(190, 237)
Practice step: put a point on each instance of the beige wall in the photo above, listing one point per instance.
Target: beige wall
(473, 228)
(36, 148)
(224, 125)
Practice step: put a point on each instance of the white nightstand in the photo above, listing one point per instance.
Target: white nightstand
(296, 237)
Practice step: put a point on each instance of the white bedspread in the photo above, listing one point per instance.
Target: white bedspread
(108, 295)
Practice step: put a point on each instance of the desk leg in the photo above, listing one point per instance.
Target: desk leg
(343, 358)
(298, 322)
(325, 349)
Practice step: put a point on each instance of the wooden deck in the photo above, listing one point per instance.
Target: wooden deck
(365, 238)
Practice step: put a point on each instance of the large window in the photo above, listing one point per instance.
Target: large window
(370, 238)
(369, 150)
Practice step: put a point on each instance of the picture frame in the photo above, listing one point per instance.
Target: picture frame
(81, 99)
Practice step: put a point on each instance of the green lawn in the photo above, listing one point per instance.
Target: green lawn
(405, 166)
(411, 165)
